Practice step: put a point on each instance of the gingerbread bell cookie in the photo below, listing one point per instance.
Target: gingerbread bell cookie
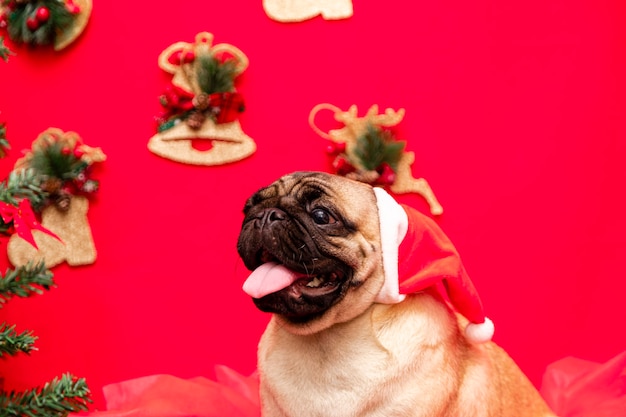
(365, 150)
(63, 165)
(45, 22)
(202, 104)
(300, 10)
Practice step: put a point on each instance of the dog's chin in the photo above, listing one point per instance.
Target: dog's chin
(306, 300)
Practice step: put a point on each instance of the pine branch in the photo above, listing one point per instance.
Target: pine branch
(377, 146)
(54, 161)
(60, 19)
(4, 143)
(12, 342)
(22, 184)
(215, 76)
(5, 52)
(25, 281)
(57, 398)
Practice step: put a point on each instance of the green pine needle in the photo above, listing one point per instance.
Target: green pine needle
(4, 143)
(215, 76)
(53, 161)
(5, 52)
(376, 147)
(25, 281)
(56, 398)
(12, 342)
(23, 184)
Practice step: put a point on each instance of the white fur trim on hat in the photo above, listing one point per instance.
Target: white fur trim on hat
(394, 224)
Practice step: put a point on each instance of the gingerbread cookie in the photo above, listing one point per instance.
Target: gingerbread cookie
(202, 104)
(364, 151)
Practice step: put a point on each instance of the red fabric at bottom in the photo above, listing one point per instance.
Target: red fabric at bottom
(571, 387)
(232, 395)
(578, 388)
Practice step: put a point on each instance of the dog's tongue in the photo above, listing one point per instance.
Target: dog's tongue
(268, 278)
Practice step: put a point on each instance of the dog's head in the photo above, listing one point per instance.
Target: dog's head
(313, 243)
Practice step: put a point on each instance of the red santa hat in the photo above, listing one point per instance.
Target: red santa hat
(418, 255)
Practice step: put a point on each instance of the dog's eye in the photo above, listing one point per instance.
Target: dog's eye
(321, 216)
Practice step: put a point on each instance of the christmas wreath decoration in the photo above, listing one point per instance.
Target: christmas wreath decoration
(366, 150)
(44, 22)
(201, 102)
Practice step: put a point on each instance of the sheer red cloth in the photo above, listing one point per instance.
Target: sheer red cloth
(578, 388)
(230, 395)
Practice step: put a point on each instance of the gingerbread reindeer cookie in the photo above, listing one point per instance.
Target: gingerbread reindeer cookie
(364, 151)
(202, 104)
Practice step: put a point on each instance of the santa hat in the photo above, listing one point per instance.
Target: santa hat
(418, 255)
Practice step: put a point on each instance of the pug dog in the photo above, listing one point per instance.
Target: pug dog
(350, 335)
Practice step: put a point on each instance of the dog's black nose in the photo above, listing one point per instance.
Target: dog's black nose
(271, 215)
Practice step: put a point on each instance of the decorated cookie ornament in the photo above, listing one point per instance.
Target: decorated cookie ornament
(363, 150)
(201, 103)
(300, 10)
(45, 22)
(63, 165)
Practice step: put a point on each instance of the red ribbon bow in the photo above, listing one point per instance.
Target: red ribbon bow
(226, 106)
(24, 220)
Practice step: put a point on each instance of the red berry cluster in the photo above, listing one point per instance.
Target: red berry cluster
(38, 18)
(342, 165)
(41, 16)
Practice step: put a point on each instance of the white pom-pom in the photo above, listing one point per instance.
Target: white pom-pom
(480, 332)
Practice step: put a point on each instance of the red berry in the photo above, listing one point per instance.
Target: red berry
(32, 23)
(342, 166)
(42, 14)
(340, 147)
(387, 175)
(72, 8)
(335, 148)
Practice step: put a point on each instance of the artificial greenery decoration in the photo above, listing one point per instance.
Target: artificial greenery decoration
(25, 281)
(60, 166)
(215, 76)
(22, 184)
(4, 143)
(215, 99)
(373, 159)
(57, 161)
(37, 22)
(56, 398)
(13, 342)
(377, 146)
(5, 52)
(60, 396)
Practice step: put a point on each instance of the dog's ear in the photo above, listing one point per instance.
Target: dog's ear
(416, 255)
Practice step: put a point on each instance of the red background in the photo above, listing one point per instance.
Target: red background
(515, 112)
